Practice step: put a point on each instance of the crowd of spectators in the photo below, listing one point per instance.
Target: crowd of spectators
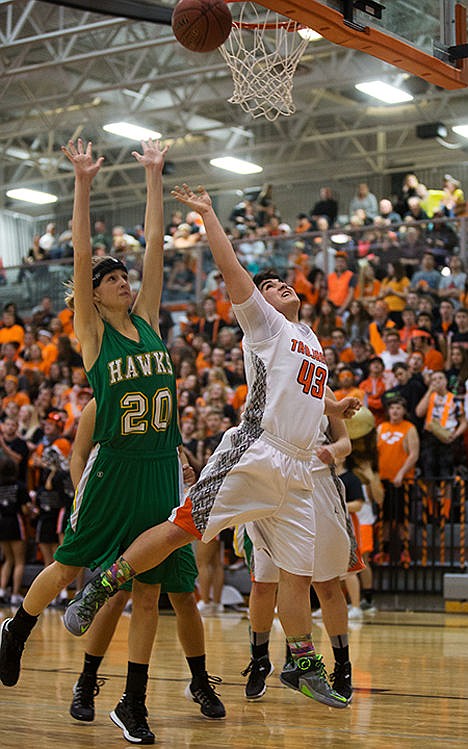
(390, 322)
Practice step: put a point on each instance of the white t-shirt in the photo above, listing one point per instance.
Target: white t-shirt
(286, 373)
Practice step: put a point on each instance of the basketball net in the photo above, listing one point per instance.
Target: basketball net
(263, 65)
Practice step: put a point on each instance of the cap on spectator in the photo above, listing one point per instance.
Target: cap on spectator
(284, 227)
(56, 417)
(12, 378)
(420, 333)
(45, 332)
(449, 178)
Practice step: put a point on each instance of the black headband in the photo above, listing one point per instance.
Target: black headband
(108, 265)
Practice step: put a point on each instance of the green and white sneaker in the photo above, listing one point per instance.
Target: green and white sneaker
(308, 676)
(81, 611)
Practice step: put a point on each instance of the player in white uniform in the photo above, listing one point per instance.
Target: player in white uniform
(333, 556)
(260, 471)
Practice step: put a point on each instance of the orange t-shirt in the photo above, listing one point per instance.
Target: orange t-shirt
(20, 398)
(66, 318)
(352, 392)
(391, 449)
(375, 339)
(434, 360)
(338, 287)
(12, 334)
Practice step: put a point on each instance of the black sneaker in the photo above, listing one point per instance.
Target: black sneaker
(81, 611)
(200, 690)
(341, 680)
(130, 715)
(84, 692)
(258, 670)
(11, 650)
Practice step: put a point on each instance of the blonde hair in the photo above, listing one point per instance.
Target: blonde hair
(70, 285)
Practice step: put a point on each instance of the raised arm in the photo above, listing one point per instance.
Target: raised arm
(87, 322)
(148, 300)
(238, 282)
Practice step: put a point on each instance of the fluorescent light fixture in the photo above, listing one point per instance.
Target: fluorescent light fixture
(32, 196)
(238, 166)
(384, 92)
(130, 131)
(461, 130)
(309, 34)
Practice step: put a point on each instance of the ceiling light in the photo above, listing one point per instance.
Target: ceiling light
(461, 130)
(384, 92)
(309, 34)
(130, 131)
(32, 196)
(238, 166)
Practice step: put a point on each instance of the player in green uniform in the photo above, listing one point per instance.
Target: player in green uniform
(180, 588)
(132, 480)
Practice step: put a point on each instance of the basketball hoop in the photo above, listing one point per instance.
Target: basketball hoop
(263, 65)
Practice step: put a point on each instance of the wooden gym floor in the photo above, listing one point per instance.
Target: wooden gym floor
(410, 677)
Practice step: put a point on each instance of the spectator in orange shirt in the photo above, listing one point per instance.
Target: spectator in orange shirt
(48, 348)
(368, 287)
(422, 341)
(66, 318)
(374, 387)
(409, 324)
(381, 320)
(341, 283)
(13, 394)
(11, 331)
(347, 385)
(341, 345)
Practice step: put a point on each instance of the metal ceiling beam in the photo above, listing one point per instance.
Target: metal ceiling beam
(133, 9)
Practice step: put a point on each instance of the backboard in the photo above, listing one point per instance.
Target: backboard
(425, 38)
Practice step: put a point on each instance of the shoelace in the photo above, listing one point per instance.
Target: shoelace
(137, 714)
(254, 664)
(87, 605)
(206, 692)
(86, 692)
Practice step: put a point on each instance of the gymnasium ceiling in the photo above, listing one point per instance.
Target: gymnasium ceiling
(66, 71)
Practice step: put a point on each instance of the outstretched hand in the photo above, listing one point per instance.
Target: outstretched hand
(152, 156)
(82, 159)
(198, 201)
(349, 406)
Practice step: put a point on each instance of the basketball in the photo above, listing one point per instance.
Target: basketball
(201, 25)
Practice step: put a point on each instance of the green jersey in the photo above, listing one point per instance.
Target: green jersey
(135, 390)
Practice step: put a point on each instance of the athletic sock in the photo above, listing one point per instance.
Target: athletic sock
(340, 647)
(197, 665)
(368, 594)
(22, 624)
(259, 642)
(137, 678)
(91, 664)
(118, 574)
(301, 646)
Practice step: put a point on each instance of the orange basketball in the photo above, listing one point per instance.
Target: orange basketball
(201, 25)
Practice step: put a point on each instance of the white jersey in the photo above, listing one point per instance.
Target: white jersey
(286, 373)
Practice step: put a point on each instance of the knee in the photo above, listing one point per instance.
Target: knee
(65, 574)
(145, 598)
(328, 589)
(184, 604)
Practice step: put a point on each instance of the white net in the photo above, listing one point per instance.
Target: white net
(262, 52)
